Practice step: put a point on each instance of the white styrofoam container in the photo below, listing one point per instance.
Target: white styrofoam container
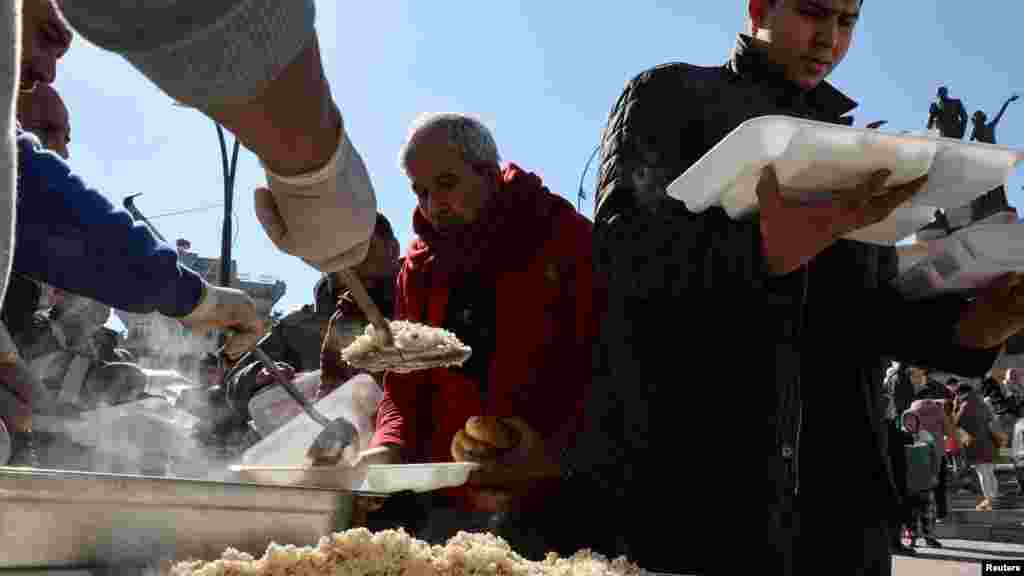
(903, 222)
(969, 259)
(819, 160)
(341, 477)
(997, 243)
(379, 479)
(962, 171)
(756, 143)
(391, 478)
(812, 157)
(356, 400)
(280, 458)
(274, 406)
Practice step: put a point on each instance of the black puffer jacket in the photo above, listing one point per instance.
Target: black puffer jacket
(799, 358)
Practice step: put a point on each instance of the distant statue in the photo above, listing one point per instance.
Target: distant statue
(994, 201)
(948, 115)
(986, 131)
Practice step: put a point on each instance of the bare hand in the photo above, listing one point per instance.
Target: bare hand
(530, 460)
(362, 507)
(333, 370)
(995, 315)
(794, 232)
(466, 448)
(265, 378)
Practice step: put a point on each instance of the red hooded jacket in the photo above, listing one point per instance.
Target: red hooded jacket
(536, 250)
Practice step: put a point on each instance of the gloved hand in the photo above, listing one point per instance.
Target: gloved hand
(325, 217)
(221, 308)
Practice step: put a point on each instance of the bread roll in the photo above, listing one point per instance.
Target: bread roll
(491, 430)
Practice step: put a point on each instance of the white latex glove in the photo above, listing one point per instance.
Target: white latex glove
(325, 217)
(222, 308)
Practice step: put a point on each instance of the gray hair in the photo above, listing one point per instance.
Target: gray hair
(466, 134)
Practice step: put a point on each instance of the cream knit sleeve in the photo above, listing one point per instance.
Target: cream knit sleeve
(10, 14)
(199, 52)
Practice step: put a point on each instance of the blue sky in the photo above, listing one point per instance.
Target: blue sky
(543, 75)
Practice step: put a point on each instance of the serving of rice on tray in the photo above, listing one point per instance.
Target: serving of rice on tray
(416, 347)
(358, 552)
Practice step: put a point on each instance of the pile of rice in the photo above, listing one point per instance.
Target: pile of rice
(408, 336)
(358, 552)
(415, 346)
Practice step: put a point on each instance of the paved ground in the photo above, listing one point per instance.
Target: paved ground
(959, 557)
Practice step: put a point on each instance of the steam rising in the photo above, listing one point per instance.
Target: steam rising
(158, 435)
(167, 434)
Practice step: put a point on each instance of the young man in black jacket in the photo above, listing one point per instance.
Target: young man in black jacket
(782, 297)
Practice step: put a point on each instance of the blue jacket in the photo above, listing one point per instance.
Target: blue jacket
(70, 236)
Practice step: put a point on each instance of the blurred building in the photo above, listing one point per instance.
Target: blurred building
(163, 342)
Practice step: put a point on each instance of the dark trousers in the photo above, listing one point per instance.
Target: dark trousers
(866, 550)
(941, 502)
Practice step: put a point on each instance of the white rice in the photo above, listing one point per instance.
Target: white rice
(415, 346)
(408, 336)
(358, 552)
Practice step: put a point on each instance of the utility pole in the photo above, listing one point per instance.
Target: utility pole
(229, 167)
(229, 193)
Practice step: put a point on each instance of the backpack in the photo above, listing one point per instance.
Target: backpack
(919, 455)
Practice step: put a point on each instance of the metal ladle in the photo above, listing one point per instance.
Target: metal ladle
(329, 446)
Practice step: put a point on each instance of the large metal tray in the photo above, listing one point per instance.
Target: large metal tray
(52, 518)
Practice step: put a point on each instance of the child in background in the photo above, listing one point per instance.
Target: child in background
(923, 468)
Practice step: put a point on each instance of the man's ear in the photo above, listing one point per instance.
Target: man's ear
(761, 13)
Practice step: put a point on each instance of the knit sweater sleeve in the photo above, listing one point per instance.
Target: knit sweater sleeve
(8, 73)
(200, 52)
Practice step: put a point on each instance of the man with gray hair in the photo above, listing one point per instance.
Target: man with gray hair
(506, 265)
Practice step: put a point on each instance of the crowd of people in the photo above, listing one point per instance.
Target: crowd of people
(943, 433)
(587, 389)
